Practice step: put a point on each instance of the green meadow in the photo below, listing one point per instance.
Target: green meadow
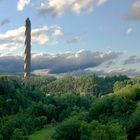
(43, 134)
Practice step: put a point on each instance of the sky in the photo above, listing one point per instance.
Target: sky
(72, 36)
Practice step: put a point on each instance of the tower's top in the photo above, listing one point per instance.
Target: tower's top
(28, 22)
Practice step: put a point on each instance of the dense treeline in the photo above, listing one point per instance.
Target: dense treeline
(83, 85)
(82, 108)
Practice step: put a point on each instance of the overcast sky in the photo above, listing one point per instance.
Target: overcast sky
(69, 36)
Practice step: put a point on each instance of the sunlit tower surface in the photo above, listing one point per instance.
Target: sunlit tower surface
(27, 53)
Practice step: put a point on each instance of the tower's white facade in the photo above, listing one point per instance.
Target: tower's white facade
(27, 54)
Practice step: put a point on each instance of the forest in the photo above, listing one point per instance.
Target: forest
(78, 107)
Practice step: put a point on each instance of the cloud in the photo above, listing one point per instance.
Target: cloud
(4, 22)
(11, 64)
(21, 4)
(109, 64)
(10, 47)
(123, 71)
(76, 39)
(58, 63)
(57, 31)
(13, 35)
(119, 71)
(101, 2)
(62, 63)
(134, 12)
(59, 7)
(39, 36)
(107, 72)
(129, 31)
(14, 39)
(99, 72)
(132, 60)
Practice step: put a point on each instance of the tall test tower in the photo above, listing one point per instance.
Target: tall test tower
(27, 53)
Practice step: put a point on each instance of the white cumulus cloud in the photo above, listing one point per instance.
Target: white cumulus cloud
(21, 4)
(129, 31)
(59, 7)
(14, 39)
(57, 31)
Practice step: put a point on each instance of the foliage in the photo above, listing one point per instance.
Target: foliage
(83, 85)
(72, 105)
(68, 130)
(76, 129)
(97, 131)
(134, 122)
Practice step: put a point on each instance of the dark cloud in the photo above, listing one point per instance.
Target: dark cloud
(59, 63)
(67, 62)
(11, 64)
(134, 12)
(4, 22)
(132, 60)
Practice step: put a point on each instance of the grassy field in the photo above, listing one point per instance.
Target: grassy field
(43, 134)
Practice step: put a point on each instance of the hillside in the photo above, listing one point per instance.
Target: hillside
(70, 108)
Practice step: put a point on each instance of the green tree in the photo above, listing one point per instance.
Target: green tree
(138, 138)
(18, 135)
(134, 123)
(1, 137)
(68, 130)
(97, 131)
